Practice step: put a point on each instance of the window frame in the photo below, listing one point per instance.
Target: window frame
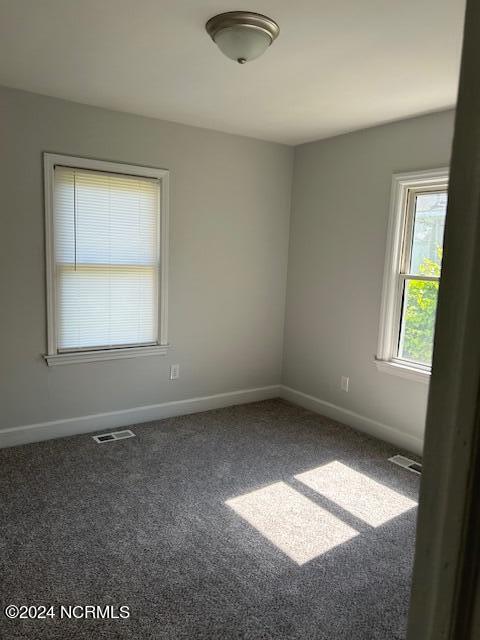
(53, 355)
(400, 229)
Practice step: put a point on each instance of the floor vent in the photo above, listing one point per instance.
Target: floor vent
(113, 435)
(406, 463)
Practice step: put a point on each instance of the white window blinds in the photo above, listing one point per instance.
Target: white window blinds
(106, 249)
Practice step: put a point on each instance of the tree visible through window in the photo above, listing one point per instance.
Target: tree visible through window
(421, 288)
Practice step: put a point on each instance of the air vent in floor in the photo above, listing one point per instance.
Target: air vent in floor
(113, 435)
(406, 463)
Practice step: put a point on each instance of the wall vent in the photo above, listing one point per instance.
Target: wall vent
(113, 435)
(406, 463)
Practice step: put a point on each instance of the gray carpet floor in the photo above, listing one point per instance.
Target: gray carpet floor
(143, 522)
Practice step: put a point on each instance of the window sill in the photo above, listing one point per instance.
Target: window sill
(403, 370)
(105, 354)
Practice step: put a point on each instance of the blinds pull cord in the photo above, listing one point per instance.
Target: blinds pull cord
(75, 220)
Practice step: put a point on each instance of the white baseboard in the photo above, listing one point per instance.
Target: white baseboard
(353, 419)
(73, 426)
(84, 424)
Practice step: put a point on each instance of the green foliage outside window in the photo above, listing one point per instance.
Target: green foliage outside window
(419, 315)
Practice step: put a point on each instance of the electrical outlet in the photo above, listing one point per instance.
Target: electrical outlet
(344, 383)
(174, 371)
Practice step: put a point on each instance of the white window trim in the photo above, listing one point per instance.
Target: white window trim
(389, 314)
(53, 357)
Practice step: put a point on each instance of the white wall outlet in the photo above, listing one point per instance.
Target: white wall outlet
(344, 383)
(174, 371)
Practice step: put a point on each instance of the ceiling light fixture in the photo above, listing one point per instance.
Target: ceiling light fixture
(241, 35)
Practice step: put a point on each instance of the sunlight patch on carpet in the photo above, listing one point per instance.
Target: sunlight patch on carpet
(292, 522)
(364, 498)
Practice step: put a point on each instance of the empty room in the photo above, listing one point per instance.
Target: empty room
(222, 234)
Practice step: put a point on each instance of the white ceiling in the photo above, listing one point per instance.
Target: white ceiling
(338, 65)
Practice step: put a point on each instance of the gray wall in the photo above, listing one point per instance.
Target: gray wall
(340, 207)
(230, 206)
(230, 210)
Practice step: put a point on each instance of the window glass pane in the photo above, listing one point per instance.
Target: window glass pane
(105, 306)
(429, 224)
(418, 321)
(105, 219)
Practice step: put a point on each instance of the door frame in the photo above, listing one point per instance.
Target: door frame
(445, 602)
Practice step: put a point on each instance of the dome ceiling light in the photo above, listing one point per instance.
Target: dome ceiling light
(241, 35)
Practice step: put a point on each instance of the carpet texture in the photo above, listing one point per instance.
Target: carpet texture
(233, 523)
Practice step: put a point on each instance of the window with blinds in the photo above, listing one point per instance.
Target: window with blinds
(106, 229)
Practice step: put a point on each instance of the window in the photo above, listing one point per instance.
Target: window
(412, 273)
(107, 243)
